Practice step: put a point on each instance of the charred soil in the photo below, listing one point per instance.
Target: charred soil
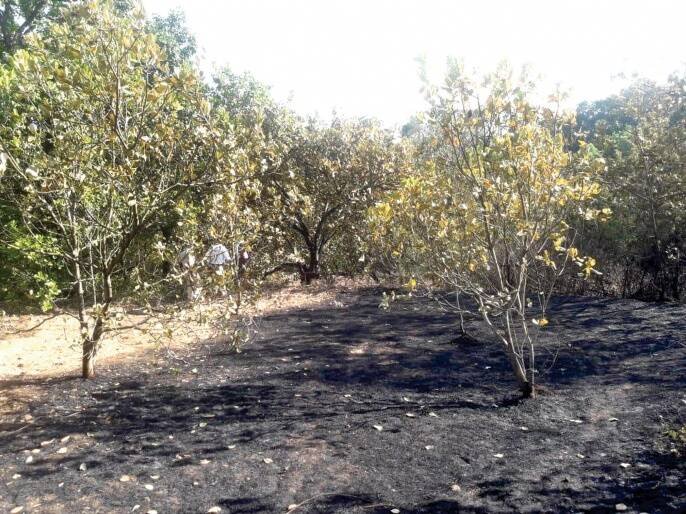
(348, 408)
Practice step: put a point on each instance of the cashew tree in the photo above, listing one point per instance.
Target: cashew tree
(99, 140)
(323, 184)
(485, 216)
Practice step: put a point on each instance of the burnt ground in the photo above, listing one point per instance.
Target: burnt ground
(291, 420)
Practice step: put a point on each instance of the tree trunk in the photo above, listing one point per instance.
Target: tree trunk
(311, 271)
(528, 390)
(88, 359)
(525, 385)
(90, 349)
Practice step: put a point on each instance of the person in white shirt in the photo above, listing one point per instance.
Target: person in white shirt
(217, 257)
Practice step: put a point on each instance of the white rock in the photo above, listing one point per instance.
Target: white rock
(125, 478)
(29, 459)
(621, 507)
(214, 509)
(378, 427)
(18, 509)
(267, 460)
(149, 487)
(395, 511)
(498, 455)
(455, 488)
(83, 466)
(625, 465)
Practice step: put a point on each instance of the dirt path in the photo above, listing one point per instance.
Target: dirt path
(291, 420)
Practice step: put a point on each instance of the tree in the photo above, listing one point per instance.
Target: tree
(19, 18)
(323, 184)
(99, 145)
(486, 215)
(641, 133)
(173, 37)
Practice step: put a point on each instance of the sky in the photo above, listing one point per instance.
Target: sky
(359, 57)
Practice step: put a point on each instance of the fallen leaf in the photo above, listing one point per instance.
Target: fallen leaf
(433, 414)
(410, 415)
(204, 462)
(135, 508)
(625, 465)
(267, 460)
(83, 467)
(125, 478)
(15, 510)
(575, 421)
(378, 427)
(613, 419)
(231, 446)
(62, 450)
(292, 506)
(29, 459)
(65, 438)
